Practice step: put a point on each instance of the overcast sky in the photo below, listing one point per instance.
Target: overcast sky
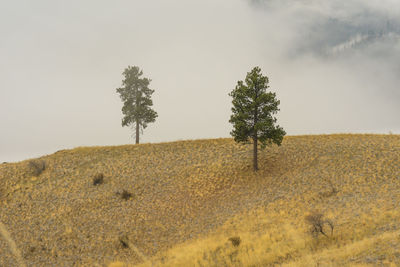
(335, 66)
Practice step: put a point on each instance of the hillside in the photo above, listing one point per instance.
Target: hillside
(189, 197)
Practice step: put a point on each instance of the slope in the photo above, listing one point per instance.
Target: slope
(187, 192)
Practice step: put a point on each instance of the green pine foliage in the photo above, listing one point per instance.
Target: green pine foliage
(253, 113)
(136, 97)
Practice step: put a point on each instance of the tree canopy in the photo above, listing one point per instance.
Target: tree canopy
(253, 113)
(136, 97)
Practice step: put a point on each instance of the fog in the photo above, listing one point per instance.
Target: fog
(334, 66)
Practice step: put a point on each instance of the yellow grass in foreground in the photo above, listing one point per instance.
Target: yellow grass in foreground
(278, 235)
(365, 212)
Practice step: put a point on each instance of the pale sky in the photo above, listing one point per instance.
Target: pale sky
(334, 65)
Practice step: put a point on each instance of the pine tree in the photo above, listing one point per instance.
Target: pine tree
(253, 113)
(136, 97)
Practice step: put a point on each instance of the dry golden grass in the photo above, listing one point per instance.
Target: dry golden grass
(190, 197)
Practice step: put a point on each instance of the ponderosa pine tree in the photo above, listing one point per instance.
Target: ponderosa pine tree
(136, 97)
(253, 113)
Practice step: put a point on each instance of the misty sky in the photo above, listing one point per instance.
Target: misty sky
(335, 66)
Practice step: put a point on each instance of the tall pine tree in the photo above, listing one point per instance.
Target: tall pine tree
(253, 113)
(136, 97)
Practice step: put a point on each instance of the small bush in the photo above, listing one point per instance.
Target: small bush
(98, 179)
(235, 241)
(317, 223)
(124, 241)
(36, 167)
(125, 194)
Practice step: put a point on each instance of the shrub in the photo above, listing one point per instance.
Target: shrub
(125, 194)
(98, 179)
(317, 223)
(124, 241)
(36, 167)
(235, 241)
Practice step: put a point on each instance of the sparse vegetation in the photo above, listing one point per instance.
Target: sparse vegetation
(124, 241)
(125, 195)
(36, 167)
(191, 197)
(98, 179)
(318, 224)
(235, 241)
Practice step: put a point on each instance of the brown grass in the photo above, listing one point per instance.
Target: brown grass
(12, 246)
(192, 196)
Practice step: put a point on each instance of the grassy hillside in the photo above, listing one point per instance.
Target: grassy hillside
(178, 204)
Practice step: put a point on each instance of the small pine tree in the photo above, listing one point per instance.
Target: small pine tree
(136, 96)
(253, 110)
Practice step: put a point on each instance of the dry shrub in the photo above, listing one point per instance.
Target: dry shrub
(318, 224)
(36, 167)
(235, 241)
(98, 179)
(124, 241)
(125, 194)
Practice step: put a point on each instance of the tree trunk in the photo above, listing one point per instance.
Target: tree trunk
(255, 160)
(137, 132)
(255, 138)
